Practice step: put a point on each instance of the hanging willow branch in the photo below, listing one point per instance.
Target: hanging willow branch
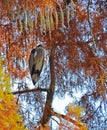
(89, 22)
(45, 16)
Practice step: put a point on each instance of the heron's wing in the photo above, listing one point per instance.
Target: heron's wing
(36, 61)
(31, 60)
(39, 59)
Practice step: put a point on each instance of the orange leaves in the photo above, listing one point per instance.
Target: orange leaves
(82, 15)
(92, 64)
(15, 59)
(44, 3)
(101, 89)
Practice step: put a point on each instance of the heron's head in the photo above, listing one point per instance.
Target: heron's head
(33, 51)
(39, 45)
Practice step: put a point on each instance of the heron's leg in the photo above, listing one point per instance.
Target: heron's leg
(36, 85)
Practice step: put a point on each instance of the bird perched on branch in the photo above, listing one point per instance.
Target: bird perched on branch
(36, 61)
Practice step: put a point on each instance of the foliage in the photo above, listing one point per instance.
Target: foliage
(74, 35)
(9, 117)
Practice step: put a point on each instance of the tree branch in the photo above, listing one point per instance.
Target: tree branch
(74, 122)
(31, 90)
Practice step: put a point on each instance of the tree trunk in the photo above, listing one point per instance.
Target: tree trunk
(50, 94)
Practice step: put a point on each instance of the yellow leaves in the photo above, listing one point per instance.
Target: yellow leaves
(9, 118)
(102, 78)
(70, 121)
(75, 111)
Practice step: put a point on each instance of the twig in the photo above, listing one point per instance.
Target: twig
(55, 120)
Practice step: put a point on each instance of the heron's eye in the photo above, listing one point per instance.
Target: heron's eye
(33, 51)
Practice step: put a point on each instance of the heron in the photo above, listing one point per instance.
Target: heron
(36, 62)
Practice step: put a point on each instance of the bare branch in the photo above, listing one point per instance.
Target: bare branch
(65, 117)
(55, 120)
(31, 90)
